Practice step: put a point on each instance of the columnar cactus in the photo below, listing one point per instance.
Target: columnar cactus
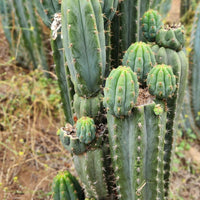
(137, 121)
(87, 106)
(19, 20)
(137, 151)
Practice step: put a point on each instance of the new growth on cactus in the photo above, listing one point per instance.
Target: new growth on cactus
(85, 129)
(121, 91)
(139, 57)
(171, 37)
(151, 23)
(161, 81)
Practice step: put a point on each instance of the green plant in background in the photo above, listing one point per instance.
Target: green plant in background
(19, 20)
(187, 5)
(191, 107)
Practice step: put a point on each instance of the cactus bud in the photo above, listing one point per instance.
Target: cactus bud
(151, 23)
(85, 129)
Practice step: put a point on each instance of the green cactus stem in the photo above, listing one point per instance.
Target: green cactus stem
(90, 169)
(140, 58)
(179, 64)
(46, 9)
(84, 44)
(121, 91)
(161, 81)
(151, 23)
(137, 148)
(66, 187)
(194, 66)
(172, 37)
(63, 82)
(90, 107)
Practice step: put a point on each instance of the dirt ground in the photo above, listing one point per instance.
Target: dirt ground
(30, 150)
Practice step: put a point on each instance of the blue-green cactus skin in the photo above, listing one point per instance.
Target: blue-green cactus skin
(90, 107)
(121, 91)
(66, 187)
(137, 144)
(63, 82)
(194, 66)
(161, 81)
(140, 58)
(84, 44)
(109, 8)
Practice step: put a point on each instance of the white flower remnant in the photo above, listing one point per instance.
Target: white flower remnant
(56, 25)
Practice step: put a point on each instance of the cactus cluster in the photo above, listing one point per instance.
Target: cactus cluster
(137, 97)
(125, 94)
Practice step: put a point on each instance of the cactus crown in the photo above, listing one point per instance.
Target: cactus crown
(140, 58)
(161, 81)
(85, 129)
(121, 91)
(172, 37)
(151, 23)
(65, 186)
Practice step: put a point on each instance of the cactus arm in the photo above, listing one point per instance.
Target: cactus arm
(83, 57)
(59, 60)
(47, 9)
